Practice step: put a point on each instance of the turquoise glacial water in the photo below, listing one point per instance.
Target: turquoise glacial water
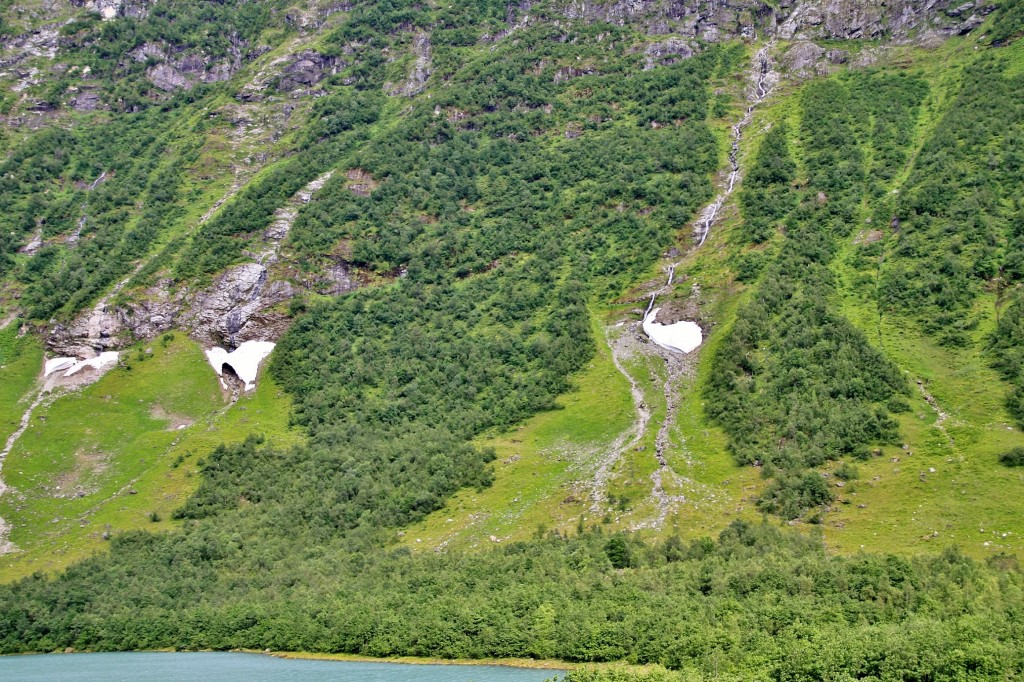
(224, 667)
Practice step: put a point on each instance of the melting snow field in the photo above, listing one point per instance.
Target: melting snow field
(682, 337)
(71, 366)
(244, 360)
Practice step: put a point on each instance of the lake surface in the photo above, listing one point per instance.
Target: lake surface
(224, 666)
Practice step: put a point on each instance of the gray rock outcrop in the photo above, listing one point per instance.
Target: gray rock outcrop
(802, 59)
(242, 304)
(715, 20)
(667, 52)
(241, 296)
(177, 71)
(416, 82)
(306, 69)
(111, 9)
(239, 306)
(86, 100)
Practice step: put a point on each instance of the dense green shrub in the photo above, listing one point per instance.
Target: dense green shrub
(794, 383)
(767, 195)
(957, 216)
(1012, 458)
(756, 603)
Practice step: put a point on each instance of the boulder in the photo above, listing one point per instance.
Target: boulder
(86, 100)
(802, 58)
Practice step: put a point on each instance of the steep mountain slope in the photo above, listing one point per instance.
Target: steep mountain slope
(453, 219)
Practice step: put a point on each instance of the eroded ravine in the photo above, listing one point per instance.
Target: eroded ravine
(629, 438)
(666, 484)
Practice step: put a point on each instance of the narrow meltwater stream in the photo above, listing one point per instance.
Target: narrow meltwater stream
(763, 79)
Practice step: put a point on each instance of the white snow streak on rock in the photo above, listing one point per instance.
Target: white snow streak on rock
(70, 366)
(58, 365)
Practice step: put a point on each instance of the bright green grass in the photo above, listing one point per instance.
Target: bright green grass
(1014, 55)
(899, 504)
(722, 491)
(970, 499)
(117, 436)
(537, 483)
(534, 469)
(20, 362)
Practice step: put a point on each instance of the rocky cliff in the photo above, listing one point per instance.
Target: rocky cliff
(788, 19)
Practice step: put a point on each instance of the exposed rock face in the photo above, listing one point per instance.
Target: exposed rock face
(107, 9)
(296, 73)
(187, 71)
(16, 50)
(360, 182)
(111, 9)
(306, 69)
(666, 53)
(233, 310)
(153, 313)
(312, 15)
(166, 77)
(567, 73)
(242, 304)
(108, 327)
(802, 56)
(237, 307)
(420, 72)
(802, 59)
(34, 243)
(338, 280)
(86, 100)
(715, 20)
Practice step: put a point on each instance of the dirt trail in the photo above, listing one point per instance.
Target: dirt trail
(667, 485)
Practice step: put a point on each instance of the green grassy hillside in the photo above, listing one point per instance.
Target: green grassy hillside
(937, 483)
(21, 360)
(478, 452)
(122, 453)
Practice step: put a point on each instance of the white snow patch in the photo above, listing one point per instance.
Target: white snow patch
(57, 365)
(682, 337)
(245, 360)
(100, 362)
(71, 366)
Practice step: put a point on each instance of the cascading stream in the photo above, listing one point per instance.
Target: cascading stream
(763, 79)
